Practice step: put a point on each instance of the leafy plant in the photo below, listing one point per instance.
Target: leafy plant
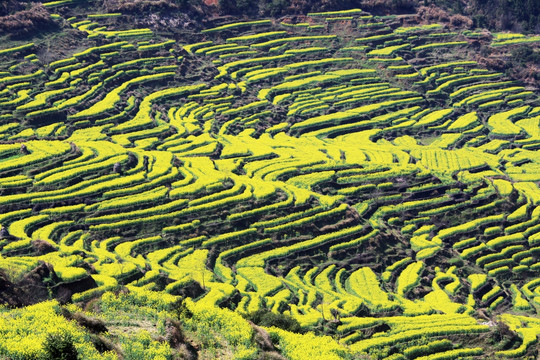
(59, 346)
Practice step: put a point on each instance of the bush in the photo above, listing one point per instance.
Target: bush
(26, 22)
(180, 309)
(461, 21)
(523, 54)
(135, 6)
(9, 6)
(59, 346)
(389, 6)
(267, 318)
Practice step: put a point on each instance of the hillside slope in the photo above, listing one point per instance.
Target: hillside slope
(356, 186)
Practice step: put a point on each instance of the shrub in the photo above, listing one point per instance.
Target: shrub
(60, 346)
(267, 318)
(461, 21)
(26, 22)
(137, 6)
(180, 309)
(10, 6)
(524, 54)
(390, 6)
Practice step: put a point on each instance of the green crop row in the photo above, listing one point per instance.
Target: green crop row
(440, 330)
(243, 109)
(488, 95)
(469, 226)
(78, 171)
(464, 122)
(259, 259)
(518, 301)
(437, 45)
(274, 42)
(450, 84)
(9, 199)
(519, 40)
(120, 34)
(4, 52)
(150, 196)
(465, 254)
(142, 118)
(46, 232)
(50, 4)
(408, 29)
(103, 16)
(454, 354)
(372, 25)
(204, 50)
(91, 153)
(305, 220)
(506, 252)
(307, 50)
(76, 100)
(433, 117)
(224, 69)
(39, 151)
(21, 78)
(182, 227)
(436, 346)
(140, 62)
(409, 277)
(469, 88)
(529, 287)
(44, 112)
(126, 249)
(258, 36)
(430, 69)
(495, 272)
(262, 210)
(496, 290)
(375, 121)
(226, 272)
(364, 283)
(505, 240)
(232, 51)
(374, 38)
(235, 190)
(162, 208)
(19, 228)
(339, 12)
(340, 18)
(380, 176)
(387, 51)
(70, 274)
(63, 62)
(22, 96)
(43, 98)
(338, 117)
(263, 283)
(236, 25)
(85, 188)
(233, 236)
(156, 46)
(501, 124)
(105, 283)
(159, 209)
(99, 49)
(355, 242)
(113, 97)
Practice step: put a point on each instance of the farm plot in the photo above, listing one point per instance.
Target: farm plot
(382, 189)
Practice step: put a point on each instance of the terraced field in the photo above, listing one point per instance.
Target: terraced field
(376, 184)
